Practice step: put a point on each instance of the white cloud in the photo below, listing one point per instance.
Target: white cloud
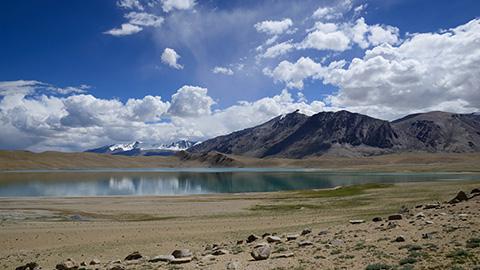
(169, 5)
(222, 70)
(170, 57)
(274, 27)
(326, 13)
(144, 19)
(427, 71)
(321, 40)
(130, 4)
(21, 87)
(124, 30)
(278, 49)
(78, 122)
(293, 74)
(340, 37)
(191, 101)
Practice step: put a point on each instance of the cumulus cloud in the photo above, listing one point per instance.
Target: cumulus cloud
(124, 30)
(191, 101)
(170, 57)
(427, 71)
(222, 70)
(340, 37)
(274, 27)
(293, 74)
(169, 5)
(80, 121)
(278, 49)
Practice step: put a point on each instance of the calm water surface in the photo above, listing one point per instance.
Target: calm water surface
(194, 181)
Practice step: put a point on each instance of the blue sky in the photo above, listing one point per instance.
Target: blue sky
(65, 52)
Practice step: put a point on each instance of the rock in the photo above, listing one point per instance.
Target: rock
(252, 238)
(475, 190)
(427, 236)
(391, 225)
(69, 264)
(403, 210)
(233, 266)
(261, 252)
(377, 219)
(306, 231)
(133, 256)
(428, 222)
(117, 267)
(420, 215)
(461, 196)
(265, 235)
(162, 258)
(28, 266)
(400, 238)
(94, 262)
(336, 242)
(273, 239)
(239, 242)
(356, 221)
(182, 253)
(431, 206)
(324, 232)
(219, 252)
(285, 255)
(181, 260)
(395, 217)
(305, 243)
(291, 237)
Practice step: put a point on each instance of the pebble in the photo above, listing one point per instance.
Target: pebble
(261, 252)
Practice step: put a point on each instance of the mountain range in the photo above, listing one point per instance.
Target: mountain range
(143, 149)
(344, 133)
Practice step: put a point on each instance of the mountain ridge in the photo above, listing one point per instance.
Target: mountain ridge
(344, 133)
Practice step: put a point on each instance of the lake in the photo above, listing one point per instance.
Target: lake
(140, 182)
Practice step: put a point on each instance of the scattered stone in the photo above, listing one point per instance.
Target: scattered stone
(400, 238)
(182, 253)
(377, 219)
(426, 236)
(273, 239)
(69, 264)
(261, 252)
(252, 238)
(404, 210)
(431, 206)
(356, 221)
(239, 242)
(94, 262)
(420, 215)
(428, 222)
(219, 252)
(391, 225)
(291, 237)
(475, 190)
(133, 256)
(28, 266)
(337, 242)
(117, 267)
(181, 260)
(233, 266)
(285, 255)
(324, 232)
(266, 234)
(306, 231)
(305, 243)
(395, 217)
(162, 258)
(461, 196)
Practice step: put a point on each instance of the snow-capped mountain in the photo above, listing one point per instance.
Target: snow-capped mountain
(144, 149)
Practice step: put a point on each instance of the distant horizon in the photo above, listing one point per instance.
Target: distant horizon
(81, 74)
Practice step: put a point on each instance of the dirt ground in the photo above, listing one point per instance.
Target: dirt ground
(50, 230)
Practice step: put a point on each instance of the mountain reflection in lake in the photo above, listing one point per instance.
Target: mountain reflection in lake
(141, 183)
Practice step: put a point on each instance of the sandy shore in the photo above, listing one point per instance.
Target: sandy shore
(49, 230)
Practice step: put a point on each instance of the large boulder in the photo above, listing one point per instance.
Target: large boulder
(461, 196)
(261, 252)
(182, 253)
(69, 264)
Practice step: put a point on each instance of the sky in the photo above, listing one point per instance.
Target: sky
(80, 74)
